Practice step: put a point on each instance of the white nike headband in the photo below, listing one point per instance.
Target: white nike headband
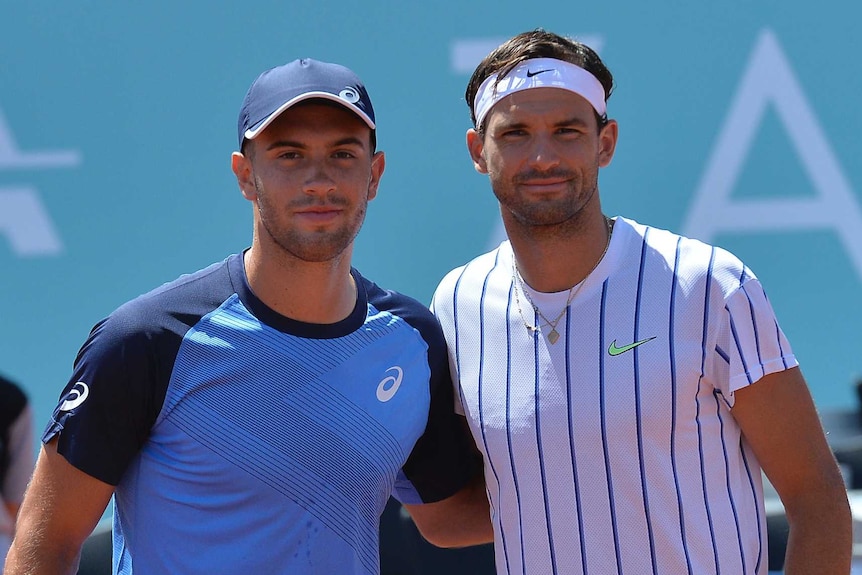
(540, 73)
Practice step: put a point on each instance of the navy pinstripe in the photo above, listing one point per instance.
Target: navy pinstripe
(509, 435)
(739, 348)
(605, 427)
(671, 347)
(697, 417)
(778, 336)
(638, 418)
(570, 409)
(756, 508)
(508, 378)
(539, 446)
(481, 390)
(730, 497)
(753, 323)
(508, 429)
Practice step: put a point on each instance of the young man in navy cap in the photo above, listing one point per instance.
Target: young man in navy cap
(256, 416)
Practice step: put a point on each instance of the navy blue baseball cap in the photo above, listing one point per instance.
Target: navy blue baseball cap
(279, 88)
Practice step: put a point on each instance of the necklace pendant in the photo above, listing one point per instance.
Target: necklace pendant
(553, 336)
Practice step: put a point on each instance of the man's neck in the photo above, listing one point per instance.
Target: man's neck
(553, 263)
(311, 292)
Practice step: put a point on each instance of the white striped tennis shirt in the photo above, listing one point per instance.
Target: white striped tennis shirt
(614, 450)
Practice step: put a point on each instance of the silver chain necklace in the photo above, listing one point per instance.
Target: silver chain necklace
(553, 335)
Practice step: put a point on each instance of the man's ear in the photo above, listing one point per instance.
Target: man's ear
(241, 166)
(378, 164)
(476, 145)
(608, 142)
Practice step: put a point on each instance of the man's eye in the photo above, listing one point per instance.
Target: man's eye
(343, 155)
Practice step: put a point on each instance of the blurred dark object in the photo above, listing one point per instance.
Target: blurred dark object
(859, 401)
(96, 552)
(403, 551)
(398, 546)
(849, 455)
(777, 530)
(843, 429)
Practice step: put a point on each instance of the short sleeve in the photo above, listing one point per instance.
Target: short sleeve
(106, 410)
(444, 458)
(750, 342)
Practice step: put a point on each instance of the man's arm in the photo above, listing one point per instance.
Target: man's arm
(461, 520)
(21, 462)
(778, 419)
(61, 508)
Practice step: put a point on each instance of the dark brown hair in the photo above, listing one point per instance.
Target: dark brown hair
(538, 44)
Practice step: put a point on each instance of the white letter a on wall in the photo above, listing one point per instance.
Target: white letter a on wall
(769, 79)
(25, 222)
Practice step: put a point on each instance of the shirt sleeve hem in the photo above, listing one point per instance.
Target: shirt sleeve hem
(753, 375)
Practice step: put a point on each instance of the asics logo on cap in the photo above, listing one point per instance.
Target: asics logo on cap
(76, 396)
(349, 95)
(389, 385)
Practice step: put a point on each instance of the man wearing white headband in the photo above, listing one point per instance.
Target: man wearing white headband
(626, 385)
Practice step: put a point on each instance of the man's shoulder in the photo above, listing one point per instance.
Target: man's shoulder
(180, 301)
(692, 260)
(394, 302)
(416, 314)
(191, 284)
(476, 268)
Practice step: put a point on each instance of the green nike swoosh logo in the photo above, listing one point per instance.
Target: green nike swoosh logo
(614, 350)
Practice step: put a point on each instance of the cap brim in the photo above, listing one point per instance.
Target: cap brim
(252, 133)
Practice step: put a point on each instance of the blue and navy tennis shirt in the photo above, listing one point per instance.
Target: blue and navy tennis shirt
(243, 441)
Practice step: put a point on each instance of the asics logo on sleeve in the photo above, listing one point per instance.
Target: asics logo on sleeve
(389, 385)
(614, 350)
(76, 396)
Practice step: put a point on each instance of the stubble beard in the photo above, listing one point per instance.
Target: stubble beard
(314, 246)
(548, 216)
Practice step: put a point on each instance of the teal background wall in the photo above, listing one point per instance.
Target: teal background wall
(739, 123)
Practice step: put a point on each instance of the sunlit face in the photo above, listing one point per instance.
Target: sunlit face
(542, 151)
(310, 174)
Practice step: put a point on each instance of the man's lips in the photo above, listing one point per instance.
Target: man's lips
(320, 214)
(544, 185)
